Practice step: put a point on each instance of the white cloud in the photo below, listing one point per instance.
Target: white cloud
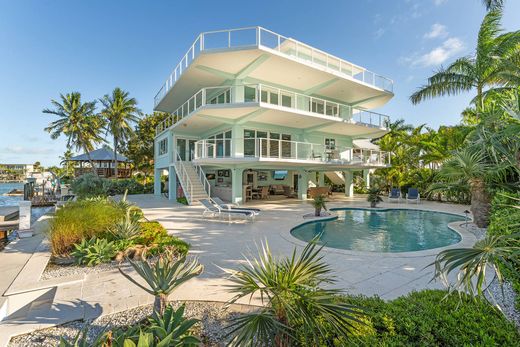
(379, 32)
(26, 150)
(438, 55)
(439, 2)
(437, 30)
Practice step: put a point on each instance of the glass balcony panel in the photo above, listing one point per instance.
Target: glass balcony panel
(319, 58)
(287, 100)
(243, 37)
(287, 46)
(264, 96)
(216, 40)
(334, 63)
(269, 39)
(304, 52)
(249, 94)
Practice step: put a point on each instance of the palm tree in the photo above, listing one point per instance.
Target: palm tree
(469, 167)
(120, 112)
(78, 122)
(485, 69)
(291, 295)
(493, 4)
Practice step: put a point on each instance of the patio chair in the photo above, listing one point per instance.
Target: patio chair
(215, 210)
(225, 206)
(395, 195)
(263, 193)
(413, 195)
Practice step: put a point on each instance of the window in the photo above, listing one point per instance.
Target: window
(220, 145)
(249, 94)
(163, 146)
(330, 143)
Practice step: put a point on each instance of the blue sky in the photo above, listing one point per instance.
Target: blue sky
(52, 47)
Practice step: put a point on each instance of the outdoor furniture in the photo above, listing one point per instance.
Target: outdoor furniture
(277, 189)
(395, 195)
(289, 192)
(261, 193)
(315, 156)
(215, 210)
(228, 206)
(413, 195)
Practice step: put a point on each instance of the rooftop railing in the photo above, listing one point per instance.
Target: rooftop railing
(268, 95)
(260, 37)
(279, 149)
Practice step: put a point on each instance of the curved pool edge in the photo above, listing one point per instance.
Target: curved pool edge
(467, 238)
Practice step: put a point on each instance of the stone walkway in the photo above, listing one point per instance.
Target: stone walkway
(219, 245)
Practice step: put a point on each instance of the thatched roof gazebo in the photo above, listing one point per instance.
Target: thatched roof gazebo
(103, 160)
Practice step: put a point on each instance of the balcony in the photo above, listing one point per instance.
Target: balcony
(209, 151)
(264, 96)
(260, 38)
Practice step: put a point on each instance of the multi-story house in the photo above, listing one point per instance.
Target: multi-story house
(252, 108)
(15, 172)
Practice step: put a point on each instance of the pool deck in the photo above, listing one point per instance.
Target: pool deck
(34, 304)
(221, 244)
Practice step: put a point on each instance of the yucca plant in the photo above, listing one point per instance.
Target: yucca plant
(472, 263)
(127, 228)
(290, 291)
(374, 196)
(319, 202)
(164, 275)
(173, 325)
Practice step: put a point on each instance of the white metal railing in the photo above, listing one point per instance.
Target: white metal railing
(271, 96)
(184, 178)
(266, 39)
(288, 150)
(203, 179)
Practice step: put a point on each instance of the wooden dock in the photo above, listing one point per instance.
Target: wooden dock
(8, 213)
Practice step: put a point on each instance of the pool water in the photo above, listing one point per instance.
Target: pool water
(392, 230)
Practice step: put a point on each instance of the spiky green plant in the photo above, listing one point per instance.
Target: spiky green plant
(164, 275)
(319, 202)
(290, 291)
(93, 252)
(174, 325)
(471, 263)
(374, 196)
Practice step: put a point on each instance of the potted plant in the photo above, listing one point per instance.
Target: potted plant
(319, 202)
(373, 197)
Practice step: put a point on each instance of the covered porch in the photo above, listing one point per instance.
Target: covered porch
(104, 165)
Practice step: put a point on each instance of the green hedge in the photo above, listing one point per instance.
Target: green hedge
(505, 220)
(90, 185)
(425, 319)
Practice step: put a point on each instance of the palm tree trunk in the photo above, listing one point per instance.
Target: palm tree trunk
(480, 203)
(94, 171)
(115, 156)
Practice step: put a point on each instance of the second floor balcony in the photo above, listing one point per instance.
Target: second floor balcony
(286, 151)
(269, 97)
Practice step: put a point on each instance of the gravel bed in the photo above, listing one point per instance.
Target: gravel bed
(57, 271)
(479, 233)
(505, 298)
(211, 329)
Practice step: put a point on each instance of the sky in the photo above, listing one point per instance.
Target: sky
(52, 47)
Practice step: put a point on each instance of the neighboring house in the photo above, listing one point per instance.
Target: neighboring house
(103, 160)
(251, 108)
(15, 172)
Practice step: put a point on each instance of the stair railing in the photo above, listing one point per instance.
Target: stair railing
(203, 179)
(184, 178)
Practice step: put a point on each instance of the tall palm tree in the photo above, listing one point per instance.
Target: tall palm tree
(78, 121)
(469, 167)
(493, 4)
(120, 112)
(484, 70)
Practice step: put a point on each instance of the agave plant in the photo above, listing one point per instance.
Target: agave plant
(173, 325)
(163, 276)
(290, 291)
(126, 228)
(374, 196)
(472, 263)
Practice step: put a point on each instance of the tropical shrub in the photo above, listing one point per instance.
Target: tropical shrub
(93, 252)
(126, 228)
(374, 196)
(79, 220)
(90, 185)
(173, 325)
(319, 202)
(151, 232)
(293, 298)
(163, 276)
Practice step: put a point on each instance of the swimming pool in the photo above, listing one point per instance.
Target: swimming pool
(389, 230)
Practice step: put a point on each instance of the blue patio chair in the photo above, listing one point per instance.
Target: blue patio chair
(413, 195)
(395, 195)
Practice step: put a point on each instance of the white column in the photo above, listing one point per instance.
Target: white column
(236, 185)
(349, 183)
(366, 178)
(172, 184)
(157, 182)
(237, 142)
(303, 184)
(321, 179)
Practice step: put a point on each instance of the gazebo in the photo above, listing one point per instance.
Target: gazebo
(103, 159)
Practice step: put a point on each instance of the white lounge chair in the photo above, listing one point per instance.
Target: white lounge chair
(395, 195)
(229, 206)
(215, 210)
(413, 195)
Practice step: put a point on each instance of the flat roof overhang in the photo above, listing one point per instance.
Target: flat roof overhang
(208, 117)
(255, 64)
(288, 164)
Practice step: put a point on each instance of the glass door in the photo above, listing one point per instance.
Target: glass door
(181, 148)
(191, 146)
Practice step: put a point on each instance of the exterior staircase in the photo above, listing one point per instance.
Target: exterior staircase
(336, 177)
(193, 181)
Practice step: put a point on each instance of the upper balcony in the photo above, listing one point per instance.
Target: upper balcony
(215, 106)
(256, 54)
